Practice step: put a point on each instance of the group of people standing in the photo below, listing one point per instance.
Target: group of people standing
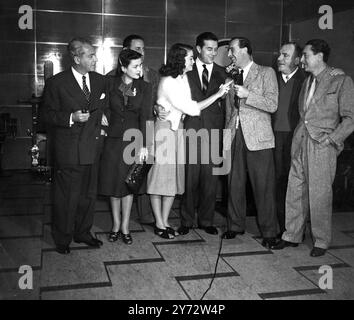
(90, 113)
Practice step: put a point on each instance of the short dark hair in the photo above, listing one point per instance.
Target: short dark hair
(175, 63)
(128, 40)
(298, 49)
(124, 59)
(75, 46)
(243, 43)
(319, 45)
(205, 36)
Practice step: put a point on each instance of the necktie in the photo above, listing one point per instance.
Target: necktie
(239, 82)
(85, 89)
(286, 79)
(311, 91)
(205, 79)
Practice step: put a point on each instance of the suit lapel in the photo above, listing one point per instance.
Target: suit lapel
(94, 89)
(213, 79)
(296, 88)
(252, 74)
(322, 87)
(194, 77)
(74, 89)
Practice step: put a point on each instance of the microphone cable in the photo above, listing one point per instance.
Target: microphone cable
(215, 269)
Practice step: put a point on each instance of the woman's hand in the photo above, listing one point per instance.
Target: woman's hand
(224, 89)
(143, 154)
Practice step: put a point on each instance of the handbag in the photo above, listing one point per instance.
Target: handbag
(136, 175)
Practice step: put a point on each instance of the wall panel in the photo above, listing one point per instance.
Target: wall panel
(254, 12)
(136, 7)
(152, 29)
(17, 57)
(198, 16)
(61, 27)
(262, 37)
(94, 6)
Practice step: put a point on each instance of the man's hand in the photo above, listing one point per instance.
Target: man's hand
(241, 91)
(161, 112)
(78, 116)
(327, 141)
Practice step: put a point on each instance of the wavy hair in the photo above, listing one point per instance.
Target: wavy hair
(124, 59)
(175, 63)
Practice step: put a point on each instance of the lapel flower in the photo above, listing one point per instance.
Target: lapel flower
(134, 92)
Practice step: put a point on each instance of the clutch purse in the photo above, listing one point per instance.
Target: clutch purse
(136, 175)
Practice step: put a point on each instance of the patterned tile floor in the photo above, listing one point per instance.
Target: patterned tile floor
(156, 269)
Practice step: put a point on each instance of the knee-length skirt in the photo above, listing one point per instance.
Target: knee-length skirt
(166, 176)
(113, 169)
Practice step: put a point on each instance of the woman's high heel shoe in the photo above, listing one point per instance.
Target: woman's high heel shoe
(114, 236)
(127, 238)
(172, 231)
(163, 233)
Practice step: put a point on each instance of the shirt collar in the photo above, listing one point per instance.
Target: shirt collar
(199, 65)
(289, 76)
(78, 77)
(246, 70)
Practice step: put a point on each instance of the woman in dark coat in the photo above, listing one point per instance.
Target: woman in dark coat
(130, 107)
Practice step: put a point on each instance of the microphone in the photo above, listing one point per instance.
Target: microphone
(237, 76)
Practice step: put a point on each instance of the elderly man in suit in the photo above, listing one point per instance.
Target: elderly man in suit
(285, 119)
(201, 184)
(74, 101)
(249, 106)
(326, 119)
(137, 43)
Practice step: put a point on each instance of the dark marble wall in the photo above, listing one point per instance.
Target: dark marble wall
(160, 22)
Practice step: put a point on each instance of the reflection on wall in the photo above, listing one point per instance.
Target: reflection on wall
(106, 23)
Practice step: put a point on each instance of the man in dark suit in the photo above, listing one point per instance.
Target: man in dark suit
(74, 101)
(249, 106)
(285, 119)
(200, 184)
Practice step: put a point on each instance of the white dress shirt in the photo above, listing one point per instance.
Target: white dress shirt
(78, 77)
(200, 68)
(246, 70)
(287, 77)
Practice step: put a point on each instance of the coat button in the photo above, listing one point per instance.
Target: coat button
(306, 122)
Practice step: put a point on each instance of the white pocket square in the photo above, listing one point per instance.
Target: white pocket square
(102, 96)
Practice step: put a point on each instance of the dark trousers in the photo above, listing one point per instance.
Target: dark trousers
(74, 202)
(200, 187)
(260, 168)
(282, 156)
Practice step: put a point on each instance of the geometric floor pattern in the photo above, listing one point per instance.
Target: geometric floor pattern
(156, 269)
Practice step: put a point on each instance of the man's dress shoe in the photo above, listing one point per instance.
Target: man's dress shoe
(269, 242)
(283, 244)
(210, 230)
(63, 249)
(317, 252)
(182, 230)
(91, 242)
(229, 234)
